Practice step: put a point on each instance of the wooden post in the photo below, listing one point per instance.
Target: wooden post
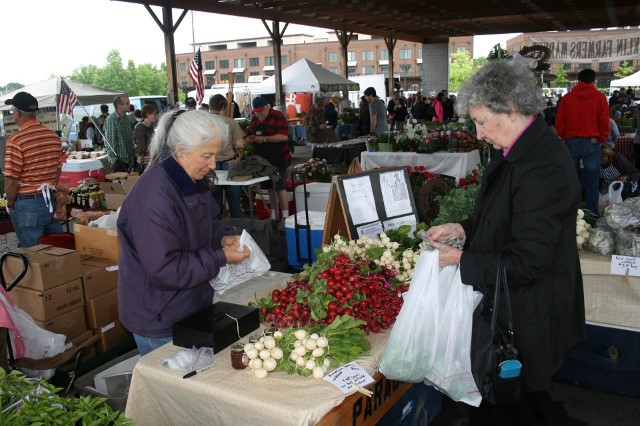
(344, 37)
(276, 36)
(391, 44)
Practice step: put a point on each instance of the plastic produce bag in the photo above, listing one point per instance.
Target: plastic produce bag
(232, 275)
(411, 348)
(602, 240)
(628, 241)
(623, 214)
(451, 370)
(38, 343)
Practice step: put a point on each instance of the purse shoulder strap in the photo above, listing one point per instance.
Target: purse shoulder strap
(501, 283)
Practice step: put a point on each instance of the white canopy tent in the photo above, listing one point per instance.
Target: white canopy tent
(46, 92)
(632, 80)
(306, 76)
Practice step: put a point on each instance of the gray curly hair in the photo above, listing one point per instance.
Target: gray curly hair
(191, 129)
(502, 86)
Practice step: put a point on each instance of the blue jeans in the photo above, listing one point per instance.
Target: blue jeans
(148, 344)
(233, 194)
(589, 152)
(32, 219)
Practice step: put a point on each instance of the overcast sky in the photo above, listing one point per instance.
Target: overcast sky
(45, 37)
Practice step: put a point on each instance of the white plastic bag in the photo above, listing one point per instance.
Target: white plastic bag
(410, 350)
(253, 266)
(615, 192)
(451, 369)
(38, 342)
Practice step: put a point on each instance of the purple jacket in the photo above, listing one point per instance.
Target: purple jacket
(170, 246)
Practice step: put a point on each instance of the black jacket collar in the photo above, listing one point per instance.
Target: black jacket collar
(181, 179)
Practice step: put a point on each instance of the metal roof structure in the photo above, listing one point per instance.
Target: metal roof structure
(425, 21)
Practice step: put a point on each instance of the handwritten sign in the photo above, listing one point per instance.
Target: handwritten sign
(346, 376)
(625, 265)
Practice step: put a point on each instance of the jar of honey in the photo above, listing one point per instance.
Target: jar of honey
(239, 359)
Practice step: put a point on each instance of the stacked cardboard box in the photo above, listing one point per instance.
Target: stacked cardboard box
(51, 291)
(100, 278)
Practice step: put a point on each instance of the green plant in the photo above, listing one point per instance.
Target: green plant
(348, 116)
(315, 170)
(36, 402)
(459, 203)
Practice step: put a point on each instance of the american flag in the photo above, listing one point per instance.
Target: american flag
(195, 72)
(66, 100)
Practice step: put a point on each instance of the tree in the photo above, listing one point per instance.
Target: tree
(479, 63)
(145, 79)
(561, 79)
(10, 87)
(460, 69)
(625, 70)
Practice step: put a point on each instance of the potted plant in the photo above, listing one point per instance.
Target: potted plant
(348, 116)
(384, 141)
(315, 170)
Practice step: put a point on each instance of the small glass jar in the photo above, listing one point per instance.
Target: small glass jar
(255, 338)
(269, 331)
(239, 359)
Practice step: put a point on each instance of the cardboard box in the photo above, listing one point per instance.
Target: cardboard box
(71, 324)
(116, 192)
(111, 335)
(98, 276)
(48, 304)
(103, 309)
(48, 267)
(97, 242)
(89, 352)
(211, 327)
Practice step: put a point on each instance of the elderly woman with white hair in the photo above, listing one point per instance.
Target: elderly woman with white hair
(171, 241)
(525, 216)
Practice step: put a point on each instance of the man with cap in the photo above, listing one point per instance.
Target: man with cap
(119, 136)
(32, 168)
(190, 103)
(331, 110)
(269, 134)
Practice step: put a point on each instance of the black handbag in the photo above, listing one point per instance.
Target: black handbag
(494, 358)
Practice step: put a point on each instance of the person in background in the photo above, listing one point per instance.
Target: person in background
(119, 135)
(447, 107)
(131, 116)
(100, 130)
(269, 134)
(377, 112)
(104, 110)
(91, 131)
(391, 107)
(616, 167)
(525, 215)
(582, 121)
(82, 127)
(439, 108)
(204, 107)
(419, 110)
(142, 134)
(171, 243)
(317, 130)
(236, 108)
(614, 134)
(190, 104)
(635, 127)
(364, 119)
(400, 115)
(331, 111)
(234, 139)
(31, 171)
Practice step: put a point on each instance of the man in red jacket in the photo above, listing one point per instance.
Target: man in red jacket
(582, 122)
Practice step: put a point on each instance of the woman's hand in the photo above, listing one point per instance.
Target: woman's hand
(448, 255)
(232, 255)
(445, 232)
(229, 240)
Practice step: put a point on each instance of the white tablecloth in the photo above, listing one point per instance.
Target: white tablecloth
(456, 164)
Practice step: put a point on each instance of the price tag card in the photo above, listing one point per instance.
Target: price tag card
(625, 265)
(346, 376)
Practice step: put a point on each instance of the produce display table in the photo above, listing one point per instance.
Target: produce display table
(455, 164)
(224, 396)
(339, 152)
(612, 300)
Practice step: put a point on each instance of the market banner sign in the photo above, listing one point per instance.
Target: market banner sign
(601, 48)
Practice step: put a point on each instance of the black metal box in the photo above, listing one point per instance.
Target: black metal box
(216, 326)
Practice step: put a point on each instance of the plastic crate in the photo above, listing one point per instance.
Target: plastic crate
(420, 405)
(114, 377)
(301, 235)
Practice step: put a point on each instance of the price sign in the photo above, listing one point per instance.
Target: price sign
(625, 265)
(348, 375)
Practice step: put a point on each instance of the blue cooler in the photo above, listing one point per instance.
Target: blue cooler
(301, 234)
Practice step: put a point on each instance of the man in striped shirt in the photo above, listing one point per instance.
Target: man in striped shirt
(32, 168)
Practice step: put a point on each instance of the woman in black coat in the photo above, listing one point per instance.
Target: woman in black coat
(526, 214)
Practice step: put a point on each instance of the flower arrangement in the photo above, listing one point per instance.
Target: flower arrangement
(315, 170)
(461, 141)
(418, 175)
